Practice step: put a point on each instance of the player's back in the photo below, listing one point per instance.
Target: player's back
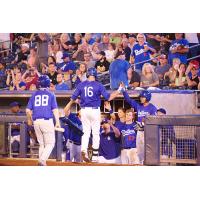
(90, 93)
(42, 103)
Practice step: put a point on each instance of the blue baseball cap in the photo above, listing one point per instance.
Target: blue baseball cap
(65, 55)
(104, 121)
(162, 110)
(15, 103)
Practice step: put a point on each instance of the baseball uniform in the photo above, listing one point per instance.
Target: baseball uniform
(128, 144)
(42, 103)
(142, 111)
(90, 100)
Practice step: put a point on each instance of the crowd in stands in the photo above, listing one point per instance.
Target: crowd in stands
(149, 61)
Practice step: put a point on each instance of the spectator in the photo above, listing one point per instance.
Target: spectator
(179, 49)
(141, 52)
(30, 77)
(77, 41)
(79, 54)
(149, 78)
(42, 40)
(33, 87)
(2, 76)
(126, 49)
(193, 40)
(181, 77)
(18, 83)
(33, 60)
(162, 67)
(67, 65)
(52, 87)
(88, 60)
(89, 39)
(110, 53)
(52, 73)
(118, 71)
(51, 59)
(133, 79)
(105, 41)
(95, 51)
(80, 75)
(23, 54)
(170, 76)
(4, 43)
(115, 38)
(66, 44)
(132, 41)
(60, 83)
(193, 80)
(57, 53)
(102, 64)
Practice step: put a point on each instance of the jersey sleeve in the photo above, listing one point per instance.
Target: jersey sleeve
(130, 101)
(30, 103)
(53, 102)
(104, 93)
(153, 111)
(76, 93)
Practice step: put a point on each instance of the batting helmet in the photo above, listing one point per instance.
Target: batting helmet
(146, 94)
(44, 81)
(92, 72)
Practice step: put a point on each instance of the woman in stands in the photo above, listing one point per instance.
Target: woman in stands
(149, 78)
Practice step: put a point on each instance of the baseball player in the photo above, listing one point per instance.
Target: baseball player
(143, 109)
(41, 109)
(109, 149)
(90, 92)
(128, 140)
(73, 134)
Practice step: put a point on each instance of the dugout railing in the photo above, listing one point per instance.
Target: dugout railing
(172, 140)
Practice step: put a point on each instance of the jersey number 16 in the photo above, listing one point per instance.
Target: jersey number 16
(41, 100)
(88, 91)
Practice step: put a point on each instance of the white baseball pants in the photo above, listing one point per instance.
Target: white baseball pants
(45, 133)
(117, 160)
(129, 156)
(91, 119)
(140, 146)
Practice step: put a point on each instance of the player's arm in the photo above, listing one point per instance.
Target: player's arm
(108, 107)
(115, 130)
(56, 115)
(54, 108)
(29, 117)
(68, 107)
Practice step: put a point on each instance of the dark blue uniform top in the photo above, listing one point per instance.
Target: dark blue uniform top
(42, 103)
(142, 110)
(90, 93)
(109, 145)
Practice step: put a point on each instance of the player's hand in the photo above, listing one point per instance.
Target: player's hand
(30, 123)
(57, 125)
(107, 105)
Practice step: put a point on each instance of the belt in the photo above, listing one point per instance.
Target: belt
(43, 118)
(90, 107)
(76, 143)
(129, 148)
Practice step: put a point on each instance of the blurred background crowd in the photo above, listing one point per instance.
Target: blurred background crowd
(141, 61)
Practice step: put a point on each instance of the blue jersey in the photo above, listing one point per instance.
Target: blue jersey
(66, 66)
(128, 136)
(109, 145)
(181, 56)
(73, 128)
(142, 111)
(118, 73)
(62, 86)
(140, 55)
(42, 103)
(118, 124)
(90, 93)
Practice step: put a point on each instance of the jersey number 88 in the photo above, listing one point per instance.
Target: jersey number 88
(41, 100)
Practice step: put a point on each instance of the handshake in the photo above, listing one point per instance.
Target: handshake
(121, 88)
